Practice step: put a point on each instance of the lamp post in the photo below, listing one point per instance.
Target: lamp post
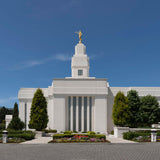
(5, 136)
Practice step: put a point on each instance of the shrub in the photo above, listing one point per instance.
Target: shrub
(38, 115)
(2, 126)
(58, 136)
(91, 133)
(131, 135)
(50, 131)
(98, 136)
(68, 132)
(16, 123)
(121, 112)
(27, 135)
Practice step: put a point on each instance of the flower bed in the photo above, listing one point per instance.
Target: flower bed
(72, 137)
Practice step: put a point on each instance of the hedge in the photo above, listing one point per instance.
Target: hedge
(27, 135)
(68, 132)
(50, 131)
(59, 136)
(131, 135)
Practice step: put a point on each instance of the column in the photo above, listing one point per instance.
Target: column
(77, 116)
(93, 114)
(88, 114)
(71, 114)
(82, 117)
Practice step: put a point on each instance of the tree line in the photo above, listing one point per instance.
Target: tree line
(135, 111)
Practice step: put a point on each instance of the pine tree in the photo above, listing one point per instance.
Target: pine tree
(16, 123)
(121, 113)
(38, 115)
(134, 106)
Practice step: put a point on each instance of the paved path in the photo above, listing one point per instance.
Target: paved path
(80, 151)
(40, 140)
(45, 140)
(112, 139)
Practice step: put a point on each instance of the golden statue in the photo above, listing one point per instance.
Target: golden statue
(80, 36)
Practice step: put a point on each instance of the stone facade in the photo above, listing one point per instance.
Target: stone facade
(80, 102)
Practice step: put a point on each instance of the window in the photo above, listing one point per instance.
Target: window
(80, 72)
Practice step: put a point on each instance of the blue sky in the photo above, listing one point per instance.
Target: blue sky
(37, 40)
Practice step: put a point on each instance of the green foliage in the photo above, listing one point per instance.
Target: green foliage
(131, 135)
(16, 123)
(91, 133)
(27, 135)
(112, 132)
(2, 126)
(68, 132)
(59, 136)
(38, 116)
(149, 112)
(121, 112)
(3, 112)
(50, 131)
(134, 106)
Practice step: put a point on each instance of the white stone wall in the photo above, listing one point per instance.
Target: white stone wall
(100, 115)
(59, 109)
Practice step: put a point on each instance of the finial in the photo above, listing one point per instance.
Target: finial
(80, 36)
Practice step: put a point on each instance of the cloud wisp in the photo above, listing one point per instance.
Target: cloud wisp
(33, 63)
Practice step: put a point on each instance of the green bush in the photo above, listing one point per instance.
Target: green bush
(98, 136)
(131, 135)
(50, 131)
(68, 132)
(26, 136)
(59, 136)
(2, 126)
(91, 133)
(112, 132)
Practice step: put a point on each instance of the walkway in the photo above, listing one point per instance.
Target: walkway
(113, 139)
(40, 140)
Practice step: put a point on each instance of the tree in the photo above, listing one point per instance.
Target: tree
(3, 112)
(134, 106)
(16, 123)
(38, 116)
(121, 113)
(149, 111)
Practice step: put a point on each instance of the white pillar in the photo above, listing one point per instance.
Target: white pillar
(82, 116)
(87, 113)
(77, 116)
(93, 114)
(71, 119)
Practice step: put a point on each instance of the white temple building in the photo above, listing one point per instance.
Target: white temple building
(79, 103)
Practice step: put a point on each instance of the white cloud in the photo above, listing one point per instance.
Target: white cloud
(32, 63)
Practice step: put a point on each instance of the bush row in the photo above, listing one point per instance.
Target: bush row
(131, 135)
(27, 135)
(50, 131)
(59, 136)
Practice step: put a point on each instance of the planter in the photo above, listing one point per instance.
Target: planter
(39, 134)
(118, 131)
